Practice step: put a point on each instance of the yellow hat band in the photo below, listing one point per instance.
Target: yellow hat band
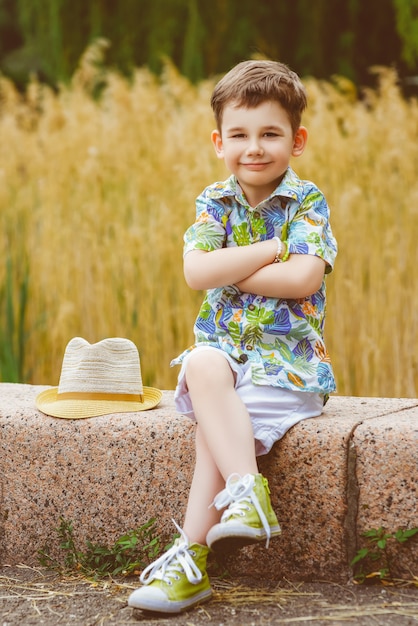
(111, 397)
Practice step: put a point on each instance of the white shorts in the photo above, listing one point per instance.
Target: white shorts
(272, 410)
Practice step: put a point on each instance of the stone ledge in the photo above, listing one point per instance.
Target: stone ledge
(332, 477)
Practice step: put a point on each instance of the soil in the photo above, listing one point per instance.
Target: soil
(40, 596)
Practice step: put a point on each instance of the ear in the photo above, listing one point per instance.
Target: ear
(217, 143)
(299, 142)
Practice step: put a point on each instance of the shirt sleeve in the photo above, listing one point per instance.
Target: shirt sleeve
(208, 231)
(310, 230)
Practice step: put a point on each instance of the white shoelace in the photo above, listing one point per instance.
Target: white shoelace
(237, 495)
(175, 561)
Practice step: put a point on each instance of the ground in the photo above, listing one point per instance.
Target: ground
(40, 596)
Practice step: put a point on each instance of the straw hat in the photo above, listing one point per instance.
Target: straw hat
(97, 379)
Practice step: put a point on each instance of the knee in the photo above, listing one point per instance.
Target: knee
(208, 367)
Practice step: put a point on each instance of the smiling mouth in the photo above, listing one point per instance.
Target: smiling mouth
(255, 166)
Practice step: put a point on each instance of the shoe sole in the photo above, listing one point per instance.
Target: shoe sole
(231, 537)
(151, 605)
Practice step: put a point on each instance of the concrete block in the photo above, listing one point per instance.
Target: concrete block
(107, 474)
(387, 477)
(311, 473)
(112, 473)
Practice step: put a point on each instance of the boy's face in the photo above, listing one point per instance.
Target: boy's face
(256, 144)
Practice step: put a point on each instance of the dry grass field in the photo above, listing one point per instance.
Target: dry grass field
(95, 197)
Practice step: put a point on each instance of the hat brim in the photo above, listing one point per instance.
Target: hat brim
(48, 402)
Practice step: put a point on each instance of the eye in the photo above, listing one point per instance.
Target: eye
(238, 136)
(271, 134)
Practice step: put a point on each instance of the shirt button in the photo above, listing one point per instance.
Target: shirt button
(251, 307)
(256, 215)
(248, 348)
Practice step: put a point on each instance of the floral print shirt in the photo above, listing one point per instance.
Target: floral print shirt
(282, 339)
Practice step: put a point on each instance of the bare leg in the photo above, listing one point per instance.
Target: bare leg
(206, 483)
(224, 446)
(224, 438)
(221, 414)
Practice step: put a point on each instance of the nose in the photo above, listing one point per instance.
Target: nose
(254, 147)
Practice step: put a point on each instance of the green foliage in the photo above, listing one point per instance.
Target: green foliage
(130, 553)
(12, 328)
(192, 62)
(9, 29)
(374, 561)
(407, 27)
(204, 38)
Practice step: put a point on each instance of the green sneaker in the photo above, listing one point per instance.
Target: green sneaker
(249, 517)
(176, 581)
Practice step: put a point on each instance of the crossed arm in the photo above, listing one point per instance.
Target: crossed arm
(252, 270)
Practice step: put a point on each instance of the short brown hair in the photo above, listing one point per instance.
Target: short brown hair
(250, 83)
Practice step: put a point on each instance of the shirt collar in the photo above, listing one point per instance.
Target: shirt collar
(290, 187)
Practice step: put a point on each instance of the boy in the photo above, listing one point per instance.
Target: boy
(261, 246)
